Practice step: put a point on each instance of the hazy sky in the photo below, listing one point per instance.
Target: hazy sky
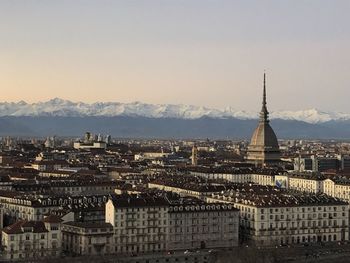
(200, 52)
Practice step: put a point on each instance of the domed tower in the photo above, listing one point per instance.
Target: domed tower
(263, 148)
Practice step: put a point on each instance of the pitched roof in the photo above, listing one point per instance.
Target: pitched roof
(52, 219)
(18, 227)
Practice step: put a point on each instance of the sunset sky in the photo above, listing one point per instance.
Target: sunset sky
(203, 52)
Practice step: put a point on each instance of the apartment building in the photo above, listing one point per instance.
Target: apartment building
(337, 187)
(84, 187)
(33, 207)
(144, 223)
(262, 179)
(196, 224)
(140, 223)
(185, 185)
(280, 221)
(25, 240)
(271, 216)
(310, 182)
(49, 165)
(87, 238)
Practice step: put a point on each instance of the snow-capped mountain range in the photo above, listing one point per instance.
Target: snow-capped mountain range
(65, 108)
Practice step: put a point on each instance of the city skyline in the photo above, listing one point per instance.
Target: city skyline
(198, 53)
(154, 131)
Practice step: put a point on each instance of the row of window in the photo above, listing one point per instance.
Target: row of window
(27, 237)
(303, 216)
(305, 239)
(305, 224)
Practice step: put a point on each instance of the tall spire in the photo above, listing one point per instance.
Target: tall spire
(264, 91)
(264, 114)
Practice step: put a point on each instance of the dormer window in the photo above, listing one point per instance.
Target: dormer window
(27, 229)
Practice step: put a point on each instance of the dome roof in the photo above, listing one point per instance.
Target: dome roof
(264, 136)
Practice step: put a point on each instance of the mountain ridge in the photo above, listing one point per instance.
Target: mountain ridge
(143, 127)
(65, 108)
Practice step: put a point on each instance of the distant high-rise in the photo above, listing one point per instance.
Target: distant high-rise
(263, 148)
(108, 139)
(87, 137)
(194, 157)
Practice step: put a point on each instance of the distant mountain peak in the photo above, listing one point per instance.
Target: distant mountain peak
(65, 108)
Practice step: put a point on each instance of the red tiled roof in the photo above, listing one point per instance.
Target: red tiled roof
(18, 227)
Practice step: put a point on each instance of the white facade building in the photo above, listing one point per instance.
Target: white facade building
(150, 224)
(140, 225)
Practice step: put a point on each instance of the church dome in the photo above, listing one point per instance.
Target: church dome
(264, 136)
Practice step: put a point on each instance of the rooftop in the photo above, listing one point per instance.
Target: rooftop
(268, 196)
(192, 183)
(138, 200)
(26, 226)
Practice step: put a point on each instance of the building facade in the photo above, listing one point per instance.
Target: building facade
(87, 238)
(193, 226)
(140, 224)
(27, 240)
(154, 224)
(270, 217)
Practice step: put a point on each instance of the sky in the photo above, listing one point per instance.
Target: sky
(202, 52)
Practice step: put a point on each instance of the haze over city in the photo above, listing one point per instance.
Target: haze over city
(209, 53)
